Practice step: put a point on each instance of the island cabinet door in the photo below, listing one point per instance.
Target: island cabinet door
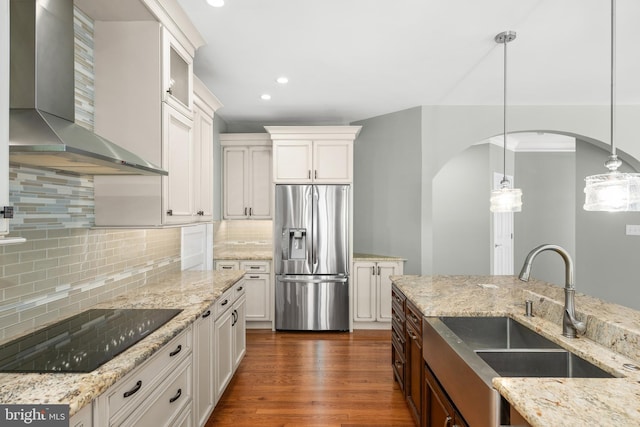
(414, 376)
(437, 409)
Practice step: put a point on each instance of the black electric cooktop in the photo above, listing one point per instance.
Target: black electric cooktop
(83, 342)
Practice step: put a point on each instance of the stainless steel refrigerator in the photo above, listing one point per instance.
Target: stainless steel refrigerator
(312, 257)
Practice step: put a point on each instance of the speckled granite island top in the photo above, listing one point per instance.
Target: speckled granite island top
(612, 339)
(191, 291)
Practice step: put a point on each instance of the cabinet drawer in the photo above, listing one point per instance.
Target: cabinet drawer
(255, 266)
(398, 363)
(398, 320)
(225, 301)
(227, 265)
(169, 399)
(398, 337)
(414, 317)
(136, 386)
(239, 289)
(397, 299)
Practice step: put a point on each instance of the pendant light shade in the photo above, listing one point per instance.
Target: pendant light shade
(505, 199)
(613, 191)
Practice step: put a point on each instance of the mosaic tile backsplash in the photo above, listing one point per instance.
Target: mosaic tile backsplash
(60, 272)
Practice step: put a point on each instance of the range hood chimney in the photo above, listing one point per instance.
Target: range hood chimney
(42, 131)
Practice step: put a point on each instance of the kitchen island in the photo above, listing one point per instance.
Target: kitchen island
(191, 291)
(612, 339)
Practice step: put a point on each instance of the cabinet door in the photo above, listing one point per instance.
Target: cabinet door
(236, 185)
(260, 182)
(438, 410)
(292, 161)
(258, 290)
(364, 287)
(203, 159)
(204, 374)
(177, 74)
(239, 331)
(415, 372)
(383, 271)
(178, 186)
(223, 351)
(333, 161)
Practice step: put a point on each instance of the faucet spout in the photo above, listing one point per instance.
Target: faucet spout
(571, 326)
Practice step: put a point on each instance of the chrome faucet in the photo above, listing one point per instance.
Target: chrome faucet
(571, 326)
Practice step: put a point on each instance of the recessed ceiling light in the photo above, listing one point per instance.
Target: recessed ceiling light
(282, 80)
(216, 3)
(265, 97)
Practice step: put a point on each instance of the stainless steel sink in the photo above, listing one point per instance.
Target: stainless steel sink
(495, 332)
(466, 353)
(545, 363)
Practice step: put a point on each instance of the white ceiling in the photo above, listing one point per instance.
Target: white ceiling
(355, 59)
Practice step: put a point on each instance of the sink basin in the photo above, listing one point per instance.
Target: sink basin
(495, 333)
(465, 354)
(530, 363)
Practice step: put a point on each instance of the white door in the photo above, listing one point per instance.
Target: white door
(502, 237)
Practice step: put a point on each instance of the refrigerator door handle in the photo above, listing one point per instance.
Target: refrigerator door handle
(319, 280)
(314, 221)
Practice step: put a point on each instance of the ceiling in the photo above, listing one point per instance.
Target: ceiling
(349, 60)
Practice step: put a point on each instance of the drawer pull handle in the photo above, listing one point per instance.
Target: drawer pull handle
(227, 267)
(134, 390)
(176, 351)
(240, 288)
(206, 314)
(225, 302)
(177, 396)
(252, 277)
(255, 267)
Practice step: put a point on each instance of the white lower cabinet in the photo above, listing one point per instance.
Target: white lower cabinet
(372, 290)
(257, 286)
(82, 418)
(155, 394)
(229, 336)
(203, 367)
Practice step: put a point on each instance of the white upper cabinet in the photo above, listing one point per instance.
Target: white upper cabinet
(178, 186)
(320, 154)
(204, 106)
(177, 74)
(247, 176)
(144, 102)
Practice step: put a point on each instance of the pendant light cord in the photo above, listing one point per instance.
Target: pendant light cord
(613, 76)
(504, 115)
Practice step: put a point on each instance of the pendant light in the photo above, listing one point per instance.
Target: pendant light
(613, 191)
(505, 199)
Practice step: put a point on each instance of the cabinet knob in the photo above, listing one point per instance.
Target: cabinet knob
(170, 212)
(201, 213)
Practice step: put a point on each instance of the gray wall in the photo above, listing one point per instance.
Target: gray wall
(461, 217)
(548, 182)
(387, 186)
(606, 259)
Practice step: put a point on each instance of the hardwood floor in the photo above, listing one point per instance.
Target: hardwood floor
(314, 379)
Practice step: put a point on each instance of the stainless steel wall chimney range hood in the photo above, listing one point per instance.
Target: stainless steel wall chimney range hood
(42, 131)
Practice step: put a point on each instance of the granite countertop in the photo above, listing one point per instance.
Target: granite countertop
(612, 339)
(372, 257)
(242, 251)
(191, 291)
(264, 251)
